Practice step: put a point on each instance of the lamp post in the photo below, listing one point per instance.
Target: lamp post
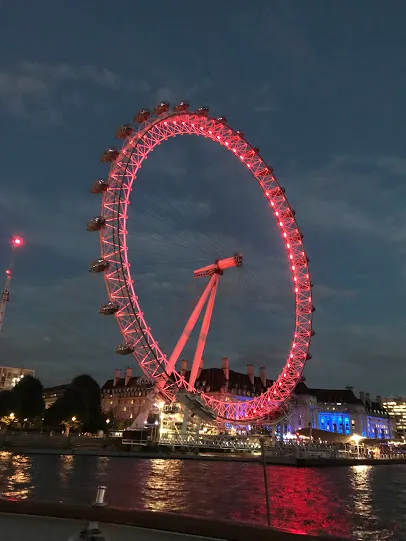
(264, 465)
(356, 439)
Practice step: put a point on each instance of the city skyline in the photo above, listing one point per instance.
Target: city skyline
(327, 113)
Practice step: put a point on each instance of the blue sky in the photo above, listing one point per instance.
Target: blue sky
(319, 86)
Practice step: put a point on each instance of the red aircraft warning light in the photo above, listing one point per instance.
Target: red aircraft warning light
(17, 242)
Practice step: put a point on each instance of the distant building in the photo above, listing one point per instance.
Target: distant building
(331, 410)
(123, 397)
(10, 376)
(51, 394)
(396, 407)
(340, 411)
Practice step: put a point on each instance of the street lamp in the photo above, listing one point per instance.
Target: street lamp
(356, 439)
(73, 419)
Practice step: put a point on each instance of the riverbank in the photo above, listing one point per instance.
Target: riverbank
(142, 524)
(216, 457)
(32, 444)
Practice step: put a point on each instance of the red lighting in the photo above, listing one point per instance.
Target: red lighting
(17, 242)
(153, 361)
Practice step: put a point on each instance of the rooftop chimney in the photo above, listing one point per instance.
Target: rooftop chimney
(368, 397)
(128, 375)
(350, 388)
(117, 376)
(379, 401)
(183, 369)
(262, 375)
(362, 396)
(224, 366)
(250, 372)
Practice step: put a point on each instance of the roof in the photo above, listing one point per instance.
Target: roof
(375, 407)
(215, 380)
(55, 389)
(135, 381)
(212, 380)
(334, 396)
(302, 388)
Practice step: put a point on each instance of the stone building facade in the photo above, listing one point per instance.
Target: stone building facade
(331, 410)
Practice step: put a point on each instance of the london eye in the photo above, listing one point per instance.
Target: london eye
(149, 129)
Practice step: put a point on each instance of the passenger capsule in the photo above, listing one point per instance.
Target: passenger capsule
(96, 223)
(240, 133)
(204, 111)
(110, 155)
(163, 107)
(108, 309)
(124, 349)
(312, 332)
(99, 186)
(99, 265)
(222, 119)
(124, 131)
(181, 107)
(257, 150)
(309, 356)
(142, 116)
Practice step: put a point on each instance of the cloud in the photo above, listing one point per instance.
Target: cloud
(77, 339)
(338, 196)
(37, 71)
(34, 87)
(326, 292)
(163, 256)
(253, 317)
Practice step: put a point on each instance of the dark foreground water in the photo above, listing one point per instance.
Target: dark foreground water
(359, 502)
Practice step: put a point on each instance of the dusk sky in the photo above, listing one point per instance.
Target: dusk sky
(319, 86)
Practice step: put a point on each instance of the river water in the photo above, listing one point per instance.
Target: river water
(358, 502)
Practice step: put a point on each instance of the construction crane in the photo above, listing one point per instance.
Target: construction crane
(16, 243)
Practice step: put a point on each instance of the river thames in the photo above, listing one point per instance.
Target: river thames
(358, 502)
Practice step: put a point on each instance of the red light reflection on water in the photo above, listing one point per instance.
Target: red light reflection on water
(362, 501)
(303, 502)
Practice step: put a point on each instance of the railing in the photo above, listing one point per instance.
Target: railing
(223, 442)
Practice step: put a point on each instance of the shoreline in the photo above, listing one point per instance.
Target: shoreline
(220, 457)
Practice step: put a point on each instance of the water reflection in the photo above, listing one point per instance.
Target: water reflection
(305, 500)
(66, 465)
(102, 466)
(369, 522)
(362, 502)
(164, 476)
(18, 476)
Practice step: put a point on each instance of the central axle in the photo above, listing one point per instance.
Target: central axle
(219, 266)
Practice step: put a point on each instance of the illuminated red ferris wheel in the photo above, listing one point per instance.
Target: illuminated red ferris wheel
(139, 139)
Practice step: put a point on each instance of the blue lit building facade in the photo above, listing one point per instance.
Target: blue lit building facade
(340, 411)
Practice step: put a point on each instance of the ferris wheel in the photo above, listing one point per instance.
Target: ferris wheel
(148, 130)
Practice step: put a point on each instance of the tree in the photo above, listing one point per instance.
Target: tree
(60, 411)
(7, 403)
(28, 400)
(81, 401)
(86, 393)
